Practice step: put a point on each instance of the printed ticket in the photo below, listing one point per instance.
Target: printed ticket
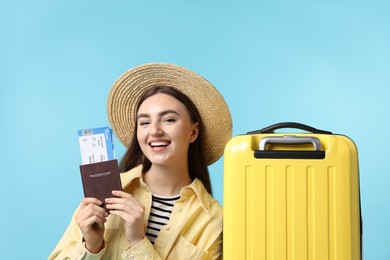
(96, 145)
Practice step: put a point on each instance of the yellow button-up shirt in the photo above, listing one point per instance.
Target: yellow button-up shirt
(194, 230)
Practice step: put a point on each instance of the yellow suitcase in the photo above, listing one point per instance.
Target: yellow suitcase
(291, 196)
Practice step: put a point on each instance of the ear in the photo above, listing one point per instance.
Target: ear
(195, 132)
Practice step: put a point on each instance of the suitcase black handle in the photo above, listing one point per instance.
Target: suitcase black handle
(272, 128)
(290, 154)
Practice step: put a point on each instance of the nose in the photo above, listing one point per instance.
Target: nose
(155, 129)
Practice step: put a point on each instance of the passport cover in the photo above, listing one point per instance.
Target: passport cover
(100, 179)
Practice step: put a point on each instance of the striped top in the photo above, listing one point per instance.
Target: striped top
(159, 214)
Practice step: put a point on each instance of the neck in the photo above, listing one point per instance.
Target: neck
(167, 181)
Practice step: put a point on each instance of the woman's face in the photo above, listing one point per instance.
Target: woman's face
(165, 130)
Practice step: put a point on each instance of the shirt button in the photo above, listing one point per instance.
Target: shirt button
(167, 227)
(178, 209)
(131, 258)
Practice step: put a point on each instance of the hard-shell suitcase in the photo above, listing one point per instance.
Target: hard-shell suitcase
(291, 196)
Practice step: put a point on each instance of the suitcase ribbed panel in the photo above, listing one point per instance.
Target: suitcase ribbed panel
(289, 209)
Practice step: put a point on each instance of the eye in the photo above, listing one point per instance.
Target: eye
(143, 123)
(169, 120)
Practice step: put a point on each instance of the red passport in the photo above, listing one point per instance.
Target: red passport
(100, 179)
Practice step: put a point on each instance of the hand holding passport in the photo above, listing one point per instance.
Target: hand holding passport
(99, 169)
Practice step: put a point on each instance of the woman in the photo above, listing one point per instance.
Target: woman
(175, 124)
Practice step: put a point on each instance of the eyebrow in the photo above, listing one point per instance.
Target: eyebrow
(162, 113)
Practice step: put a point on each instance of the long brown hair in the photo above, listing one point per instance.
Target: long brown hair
(196, 158)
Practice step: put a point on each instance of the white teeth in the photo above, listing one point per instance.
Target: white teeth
(159, 144)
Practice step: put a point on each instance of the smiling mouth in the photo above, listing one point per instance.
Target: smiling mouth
(159, 144)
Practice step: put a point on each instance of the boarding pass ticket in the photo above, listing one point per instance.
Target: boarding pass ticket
(96, 145)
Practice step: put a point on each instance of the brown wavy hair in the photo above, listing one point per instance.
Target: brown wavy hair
(196, 157)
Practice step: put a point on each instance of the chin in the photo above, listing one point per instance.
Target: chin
(159, 162)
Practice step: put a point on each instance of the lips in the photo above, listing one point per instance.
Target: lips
(159, 144)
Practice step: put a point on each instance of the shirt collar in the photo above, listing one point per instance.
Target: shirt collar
(201, 193)
(128, 177)
(196, 186)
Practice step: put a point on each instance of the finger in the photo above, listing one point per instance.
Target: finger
(130, 218)
(91, 207)
(126, 211)
(94, 220)
(120, 206)
(124, 205)
(122, 197)
(91, 210)
(86, 201)
(121, 194)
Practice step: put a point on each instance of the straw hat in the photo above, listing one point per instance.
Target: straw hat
(129, 87)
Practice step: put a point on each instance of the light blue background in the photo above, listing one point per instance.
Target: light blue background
(324, 63)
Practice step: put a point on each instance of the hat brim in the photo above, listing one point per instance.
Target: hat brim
(128, 89)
